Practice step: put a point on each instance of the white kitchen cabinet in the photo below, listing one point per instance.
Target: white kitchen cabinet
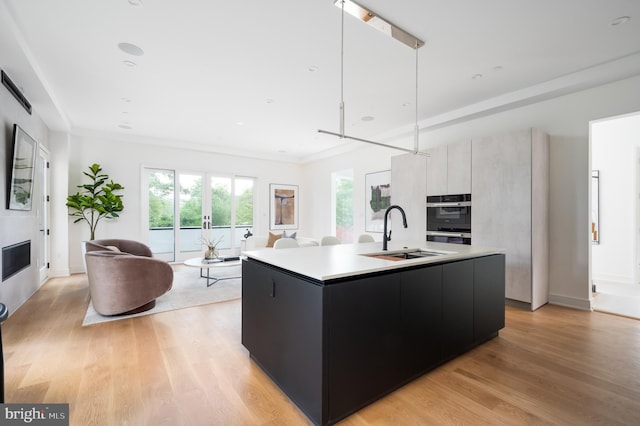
(408, 189)
(510, 203)
(449, 169)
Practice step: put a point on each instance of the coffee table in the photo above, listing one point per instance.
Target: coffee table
(208, 264)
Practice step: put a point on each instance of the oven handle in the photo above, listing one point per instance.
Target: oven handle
(451, 204)
(449, 234)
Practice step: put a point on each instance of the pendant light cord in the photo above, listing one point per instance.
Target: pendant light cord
(416, 129)
(342, 73)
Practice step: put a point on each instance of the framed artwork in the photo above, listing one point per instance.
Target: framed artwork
(378, 198)
(20, 194)
(283, 202)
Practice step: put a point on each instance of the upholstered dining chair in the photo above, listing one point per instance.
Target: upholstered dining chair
(329, 240)
(365, 238)
(285, 243)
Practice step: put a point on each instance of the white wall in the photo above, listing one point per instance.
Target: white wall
(613, 152)
(317, 183)
(17, 226)
(566, 119)
(123, 162)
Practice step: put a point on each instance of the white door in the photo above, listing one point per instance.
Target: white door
(183, 208)
(43, 214)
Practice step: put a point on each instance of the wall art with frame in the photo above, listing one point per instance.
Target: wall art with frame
(378, 198)
(283, 202)
(20, 188)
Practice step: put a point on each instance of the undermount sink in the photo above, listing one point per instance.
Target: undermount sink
(409, 254)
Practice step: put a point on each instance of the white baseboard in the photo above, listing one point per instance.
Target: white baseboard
(611, 279)
(571, 302)
(59, 273)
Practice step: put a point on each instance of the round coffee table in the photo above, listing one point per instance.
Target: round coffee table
(208, 264)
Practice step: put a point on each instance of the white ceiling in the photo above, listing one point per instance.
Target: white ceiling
(210, 65)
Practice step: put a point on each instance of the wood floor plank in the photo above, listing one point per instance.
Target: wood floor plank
(188, 367)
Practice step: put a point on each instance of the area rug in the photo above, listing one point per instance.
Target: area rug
(188, 289)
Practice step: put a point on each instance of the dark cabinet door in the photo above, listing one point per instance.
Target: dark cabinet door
(457, 307)
(258, 312)
(282, 329)
(421, 319)
(363, 317)
(488, 296)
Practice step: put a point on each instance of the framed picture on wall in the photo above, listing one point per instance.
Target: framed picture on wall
(378, 198)
(20, 193)
(283, 203)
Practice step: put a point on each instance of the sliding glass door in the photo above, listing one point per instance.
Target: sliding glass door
(185, 207)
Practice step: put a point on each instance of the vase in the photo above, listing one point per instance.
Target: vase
(210, 253)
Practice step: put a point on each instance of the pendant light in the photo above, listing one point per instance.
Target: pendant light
(397, 33)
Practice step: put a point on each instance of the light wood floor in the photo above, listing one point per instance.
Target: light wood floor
(188, 367)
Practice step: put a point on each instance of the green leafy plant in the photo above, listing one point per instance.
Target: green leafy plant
(97, 200)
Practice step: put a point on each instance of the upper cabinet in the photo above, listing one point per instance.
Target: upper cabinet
(449, 169)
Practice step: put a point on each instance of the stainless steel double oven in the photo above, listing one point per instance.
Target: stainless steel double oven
(449, 218)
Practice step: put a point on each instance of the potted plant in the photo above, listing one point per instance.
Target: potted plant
(97, 200)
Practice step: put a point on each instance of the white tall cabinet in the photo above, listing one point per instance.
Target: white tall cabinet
(408, 189)
(509, 190)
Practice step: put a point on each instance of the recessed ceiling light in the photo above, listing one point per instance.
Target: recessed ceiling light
(406, 104)
(127, 100)
(136, 3)
(476, 76)
(497, 68)
(125, 126)
(131, 49)
(367, 118)
(240, 123)
(130, 64)
(620, 20)
(313, 68)
(269, 100)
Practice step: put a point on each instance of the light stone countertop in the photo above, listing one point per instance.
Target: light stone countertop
(326, 263)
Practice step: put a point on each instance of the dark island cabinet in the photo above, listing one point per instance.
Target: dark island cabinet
(333, 347)
(457, 307)
(488, 297)
(282, 326)
(363, 318)
(421, 321)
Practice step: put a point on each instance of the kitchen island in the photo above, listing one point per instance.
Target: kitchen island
(338, 327)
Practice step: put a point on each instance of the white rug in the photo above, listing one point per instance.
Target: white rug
(188, 289)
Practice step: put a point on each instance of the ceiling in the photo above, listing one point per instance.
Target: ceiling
(261, 77)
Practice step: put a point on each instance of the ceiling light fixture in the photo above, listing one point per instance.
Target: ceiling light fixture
(135, 3)
(620, 20)
(131, 49)
(130, 64)
(399, 34)
(379, 23)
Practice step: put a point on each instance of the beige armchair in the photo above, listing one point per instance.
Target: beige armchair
(123, 277)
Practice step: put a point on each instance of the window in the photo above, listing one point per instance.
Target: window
(180, 204)
(343, 205)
